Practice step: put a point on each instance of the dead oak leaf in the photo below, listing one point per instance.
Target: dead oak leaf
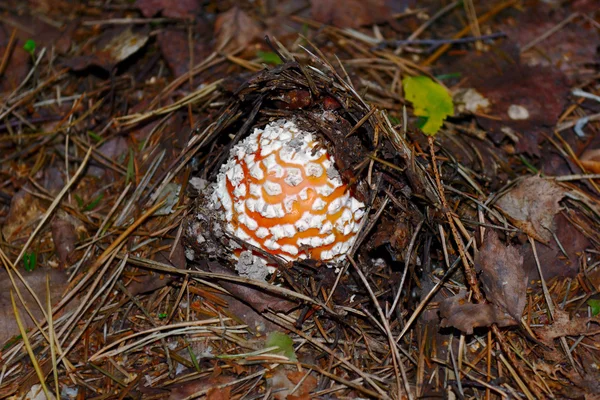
(502, 275)
(565, 326)
(505, 283)
(234, 29)
(184, 9)
(350, 13)
(459, 313)
(532, 205)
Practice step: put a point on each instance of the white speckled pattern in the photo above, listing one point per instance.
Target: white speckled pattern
(279, 193)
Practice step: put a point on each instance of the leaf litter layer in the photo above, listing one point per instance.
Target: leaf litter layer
(474, 273)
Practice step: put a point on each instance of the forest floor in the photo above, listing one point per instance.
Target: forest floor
(476, 270)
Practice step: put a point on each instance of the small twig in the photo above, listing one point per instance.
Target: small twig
(8, 51)
(435, 43)
(485, 17)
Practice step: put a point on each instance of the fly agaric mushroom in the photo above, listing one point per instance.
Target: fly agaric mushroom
(280, 191)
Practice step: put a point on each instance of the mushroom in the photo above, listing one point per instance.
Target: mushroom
(280, 191)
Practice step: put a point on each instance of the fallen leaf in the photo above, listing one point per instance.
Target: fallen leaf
(23, 212)
(562, 326)
(553, 261)
(235, 29)
(430, 101)
(64, 238)
(525, 102)
(531, 206)
(458, 312)
(283, 342)
(350, 13)
(113, 46)
(563, 49)
(470, 100)
(283, 381)
(256, 298)
(217, 393)
(505, 285)
(185, 9)
(37, 393)
(36, 279)
(174, 46)
(307, 384)
(186, 389)
(502, 275)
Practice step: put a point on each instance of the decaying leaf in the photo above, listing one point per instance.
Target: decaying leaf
(458, 312)
(505, 283)
(531, 206)
(283, 382)
(175, 48)
(565, 326)
(207, 383)
(502, 275)
(24, 210)
(36, 279)
(255, 297)
(525, 102)
(563, 49)
(184, 9)
(350, 13)
(64, 238)
(234, 29)
(114, 45)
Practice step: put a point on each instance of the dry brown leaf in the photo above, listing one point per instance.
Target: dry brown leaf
(502, 275)
(255, 297)
(283, 381)
(564, 326)
(525, 102)
(183, 390)
(532, 204)
(457, 312)
(505, 284)
(64, 238)
(350, 13)
(235, 29)
(113, 46)
(37, 281)
(185, 9)
(24, 210)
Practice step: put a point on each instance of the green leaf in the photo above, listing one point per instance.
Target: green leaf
(162, 315)
(29, 46)
(595, 306)
(92, 204)
(430, 100)
(269, 57)
(30, 261)
(94, 136)
(283, 342)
